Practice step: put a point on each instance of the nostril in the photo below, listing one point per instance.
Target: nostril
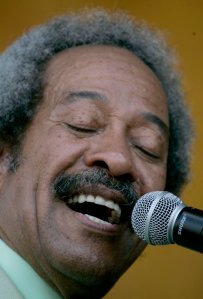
(101, 164)
(116, 162)
(123, 177)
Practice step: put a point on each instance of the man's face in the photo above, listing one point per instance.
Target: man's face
(98, 141)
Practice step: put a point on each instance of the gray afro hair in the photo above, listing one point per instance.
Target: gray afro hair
(23, 63)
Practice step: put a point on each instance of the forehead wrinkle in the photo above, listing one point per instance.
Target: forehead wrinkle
(154, 119)
(74, 96)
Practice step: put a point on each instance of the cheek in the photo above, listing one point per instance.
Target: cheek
(153, 179)
(61, 153)
(52, 153)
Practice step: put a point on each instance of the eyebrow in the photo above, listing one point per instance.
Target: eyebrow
(84, 95)
(154, 119)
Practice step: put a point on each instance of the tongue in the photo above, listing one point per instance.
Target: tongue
(92, 209)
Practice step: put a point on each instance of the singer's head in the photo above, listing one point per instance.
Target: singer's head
(91, 117)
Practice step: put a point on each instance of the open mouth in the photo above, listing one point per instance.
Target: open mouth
(96, 208)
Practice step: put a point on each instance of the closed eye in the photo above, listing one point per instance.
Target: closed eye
(148, 153)
(81, 129)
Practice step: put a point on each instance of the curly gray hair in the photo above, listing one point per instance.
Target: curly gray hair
(22, 66)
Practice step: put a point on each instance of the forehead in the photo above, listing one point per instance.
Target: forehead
(109, 57)
(112, 72)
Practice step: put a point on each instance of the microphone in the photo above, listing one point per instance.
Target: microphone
(161, 218)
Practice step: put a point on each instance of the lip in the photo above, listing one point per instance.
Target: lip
(107, 228)
(108, 194)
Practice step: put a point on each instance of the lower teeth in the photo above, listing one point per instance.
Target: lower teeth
(95, 219)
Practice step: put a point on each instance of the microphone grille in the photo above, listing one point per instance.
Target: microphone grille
(151, 216)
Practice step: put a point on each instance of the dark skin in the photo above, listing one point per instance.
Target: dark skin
(102, 108)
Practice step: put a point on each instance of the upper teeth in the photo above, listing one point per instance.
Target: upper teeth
(116, 211)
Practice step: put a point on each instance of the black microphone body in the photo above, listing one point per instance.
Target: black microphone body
(161, 218)
(188, 229)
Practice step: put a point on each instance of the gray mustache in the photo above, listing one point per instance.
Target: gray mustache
(67, 185)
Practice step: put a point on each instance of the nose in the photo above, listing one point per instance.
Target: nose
(113, 153)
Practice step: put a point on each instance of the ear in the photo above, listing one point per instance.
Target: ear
(5, 157)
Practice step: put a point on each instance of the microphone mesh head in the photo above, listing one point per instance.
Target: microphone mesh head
(151, 215)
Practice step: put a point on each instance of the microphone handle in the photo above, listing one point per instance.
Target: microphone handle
(188, 229)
